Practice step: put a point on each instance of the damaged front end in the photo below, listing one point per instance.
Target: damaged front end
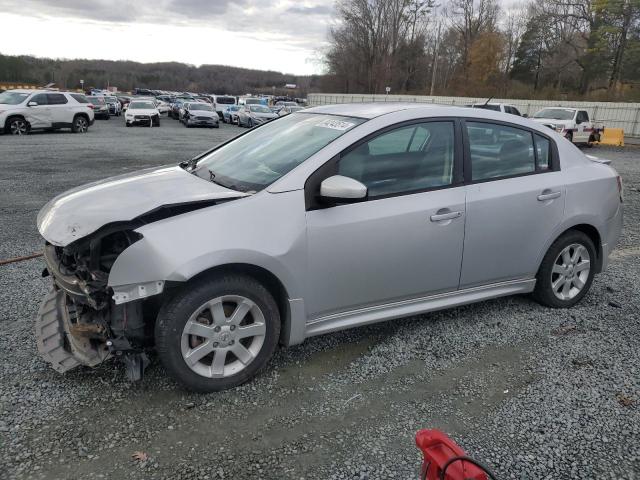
(79, 322)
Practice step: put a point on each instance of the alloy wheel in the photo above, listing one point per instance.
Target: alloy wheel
(81, 125)
(223, 336)
(18, 127)
(570, 271)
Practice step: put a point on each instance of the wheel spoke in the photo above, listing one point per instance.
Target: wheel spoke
(240, 312)
(558, 283)
(577, 281)
(560, 269)
(217, 366)
(253, 330)
(196, 354)
(244, 355)
(577, 254)
(566, 257)
(566, 288)
(217, 312)
(198, 329)
(583, 265)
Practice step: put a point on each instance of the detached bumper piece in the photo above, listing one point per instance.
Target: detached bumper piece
(55, 344)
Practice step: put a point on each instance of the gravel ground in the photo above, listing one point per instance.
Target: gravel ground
(533, 392)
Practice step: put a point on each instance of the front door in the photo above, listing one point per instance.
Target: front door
(404, 241)
(39, 116)
(515, 200)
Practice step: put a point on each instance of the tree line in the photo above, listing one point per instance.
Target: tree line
(126, 75)
(575, 49)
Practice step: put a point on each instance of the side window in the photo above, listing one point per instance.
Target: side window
(40, 98)
(499, 151)
(406, 159)
(515, 111)
(543, 151)
(582, 117)
(56, 99)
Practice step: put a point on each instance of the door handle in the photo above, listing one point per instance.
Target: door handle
(440, 217)
(548, 195)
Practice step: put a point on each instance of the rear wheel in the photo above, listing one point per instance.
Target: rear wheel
(218, 333)
(569, 136)
(80, 125)
(567, 271)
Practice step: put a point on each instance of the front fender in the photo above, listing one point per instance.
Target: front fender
(267, 231)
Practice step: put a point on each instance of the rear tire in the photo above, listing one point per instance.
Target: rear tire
(234, 313)
(80, 124)
(567, 271)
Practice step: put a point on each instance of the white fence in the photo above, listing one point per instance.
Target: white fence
(612, 115)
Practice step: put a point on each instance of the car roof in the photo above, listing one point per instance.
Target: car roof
(367, 110)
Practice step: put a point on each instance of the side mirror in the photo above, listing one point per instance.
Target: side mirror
(32, 104)
(341, 189)
(525, 115)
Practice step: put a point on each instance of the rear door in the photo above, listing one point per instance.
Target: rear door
(39, 116)
(515, 199)
(61, 114)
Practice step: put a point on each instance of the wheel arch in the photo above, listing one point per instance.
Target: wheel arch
(590, 231)
(267, 278)
(12, 116)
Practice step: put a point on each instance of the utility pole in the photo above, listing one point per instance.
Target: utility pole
(435, 60)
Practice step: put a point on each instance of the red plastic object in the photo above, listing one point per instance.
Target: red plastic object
(437, 449)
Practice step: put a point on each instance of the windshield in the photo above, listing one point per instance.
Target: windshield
(200, 106)
(260, 109)
(13, 98)
(96, 100)
(111, 99)
(260, 157)
(141, 105)
(555, 113)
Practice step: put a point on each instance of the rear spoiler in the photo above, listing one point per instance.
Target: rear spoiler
(605, 161)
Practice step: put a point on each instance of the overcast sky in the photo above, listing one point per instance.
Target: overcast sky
(281, 35)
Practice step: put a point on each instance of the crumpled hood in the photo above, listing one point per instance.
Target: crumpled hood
(83, 210)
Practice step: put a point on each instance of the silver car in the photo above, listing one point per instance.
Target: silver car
(322, 220)
(252, 115)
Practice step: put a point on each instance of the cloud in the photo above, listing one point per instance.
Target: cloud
(315, 10)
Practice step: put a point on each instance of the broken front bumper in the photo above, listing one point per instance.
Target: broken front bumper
(58, 343)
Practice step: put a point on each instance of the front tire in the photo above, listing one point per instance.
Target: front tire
(567, 271)
(217, 334)
(17, 126)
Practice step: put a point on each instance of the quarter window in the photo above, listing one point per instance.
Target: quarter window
(407, 159)
(499, 151)
(543, 151)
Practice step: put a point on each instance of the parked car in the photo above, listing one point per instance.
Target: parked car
(24, 110)
(114, 105)
(286, 110)
(142, 112)
(163, 107)
(200, 115)
(319, 221)
(572, 123)
(230, 114)
(221, 102)
(498, 107)
(100, 107)
(252, 115)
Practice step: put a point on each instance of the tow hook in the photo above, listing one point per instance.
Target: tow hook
(135, 361)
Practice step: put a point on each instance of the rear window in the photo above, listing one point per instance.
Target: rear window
(96, 100)
(56, 99)
(79, 98)
(226, 100)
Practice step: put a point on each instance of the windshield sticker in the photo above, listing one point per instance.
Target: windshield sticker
(335, 124)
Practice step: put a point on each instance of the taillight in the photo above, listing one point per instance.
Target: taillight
(620, 188)
(91, 106)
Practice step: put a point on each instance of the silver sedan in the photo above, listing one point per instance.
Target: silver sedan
(322, 220)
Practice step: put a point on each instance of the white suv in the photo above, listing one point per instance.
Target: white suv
(23, 110)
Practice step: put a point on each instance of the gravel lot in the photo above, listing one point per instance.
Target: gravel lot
(533, 392)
